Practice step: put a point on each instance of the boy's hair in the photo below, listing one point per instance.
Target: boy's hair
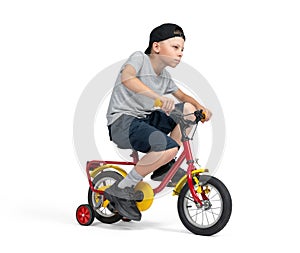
(164, 32)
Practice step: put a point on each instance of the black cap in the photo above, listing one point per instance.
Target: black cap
(164, 32)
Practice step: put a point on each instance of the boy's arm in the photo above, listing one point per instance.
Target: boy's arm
(183, 97)
(129, 79)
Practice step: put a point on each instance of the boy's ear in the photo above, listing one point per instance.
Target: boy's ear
(156, 47)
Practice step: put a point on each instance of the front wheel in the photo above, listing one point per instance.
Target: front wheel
(215, 212)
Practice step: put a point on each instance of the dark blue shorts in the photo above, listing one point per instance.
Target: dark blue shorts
(145, 134)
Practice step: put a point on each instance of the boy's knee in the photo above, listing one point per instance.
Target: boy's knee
(157, 141)
(188, 108)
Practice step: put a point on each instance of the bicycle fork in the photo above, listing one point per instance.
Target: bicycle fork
(190, 162)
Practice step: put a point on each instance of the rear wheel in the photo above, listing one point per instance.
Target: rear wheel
(215, 212)
(97, 201)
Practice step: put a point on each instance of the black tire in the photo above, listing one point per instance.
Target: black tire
(214, 214)
(103, 214)
(85, 215)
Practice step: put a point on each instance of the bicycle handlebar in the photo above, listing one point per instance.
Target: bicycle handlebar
(199, 114)
(158, 103)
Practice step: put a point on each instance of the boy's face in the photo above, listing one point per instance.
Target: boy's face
(170, 51)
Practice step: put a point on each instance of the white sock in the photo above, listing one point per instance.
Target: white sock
(131, 179)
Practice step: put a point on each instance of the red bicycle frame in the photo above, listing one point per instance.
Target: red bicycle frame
(185, 155)
(188, 156)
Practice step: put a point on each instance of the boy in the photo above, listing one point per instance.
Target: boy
(134, 123)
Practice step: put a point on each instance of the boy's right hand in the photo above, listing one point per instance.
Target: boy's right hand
(167, 104)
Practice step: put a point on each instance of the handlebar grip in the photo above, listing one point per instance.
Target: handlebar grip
(158, 103)
(204, 117)
(200, 116)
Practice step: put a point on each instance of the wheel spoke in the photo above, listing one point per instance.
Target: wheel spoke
(216, 207)
(194, 209)
(213, 214)
(190, 198)
(197, 212)
(206, 218)
(213, 196)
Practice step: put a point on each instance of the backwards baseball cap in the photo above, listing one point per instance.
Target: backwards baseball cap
(164, 32)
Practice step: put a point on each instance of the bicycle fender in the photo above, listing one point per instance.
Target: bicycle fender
(97, 170)
(183, 181)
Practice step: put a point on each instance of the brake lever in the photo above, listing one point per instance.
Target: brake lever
(200, 116)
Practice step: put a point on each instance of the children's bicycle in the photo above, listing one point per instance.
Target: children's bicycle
(204, 203)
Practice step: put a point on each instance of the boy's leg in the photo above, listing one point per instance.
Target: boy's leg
(146, 165)
(161, 149)
(154, 160)
(122, 195)
(176, 133)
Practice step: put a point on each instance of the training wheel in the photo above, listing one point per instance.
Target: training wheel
(85, 215)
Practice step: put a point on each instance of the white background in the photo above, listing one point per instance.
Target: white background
(247, 50)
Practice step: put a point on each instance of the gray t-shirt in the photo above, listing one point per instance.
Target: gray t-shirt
(125, 101)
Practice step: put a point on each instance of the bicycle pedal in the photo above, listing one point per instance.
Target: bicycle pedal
(111, 208)
(138, 196)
